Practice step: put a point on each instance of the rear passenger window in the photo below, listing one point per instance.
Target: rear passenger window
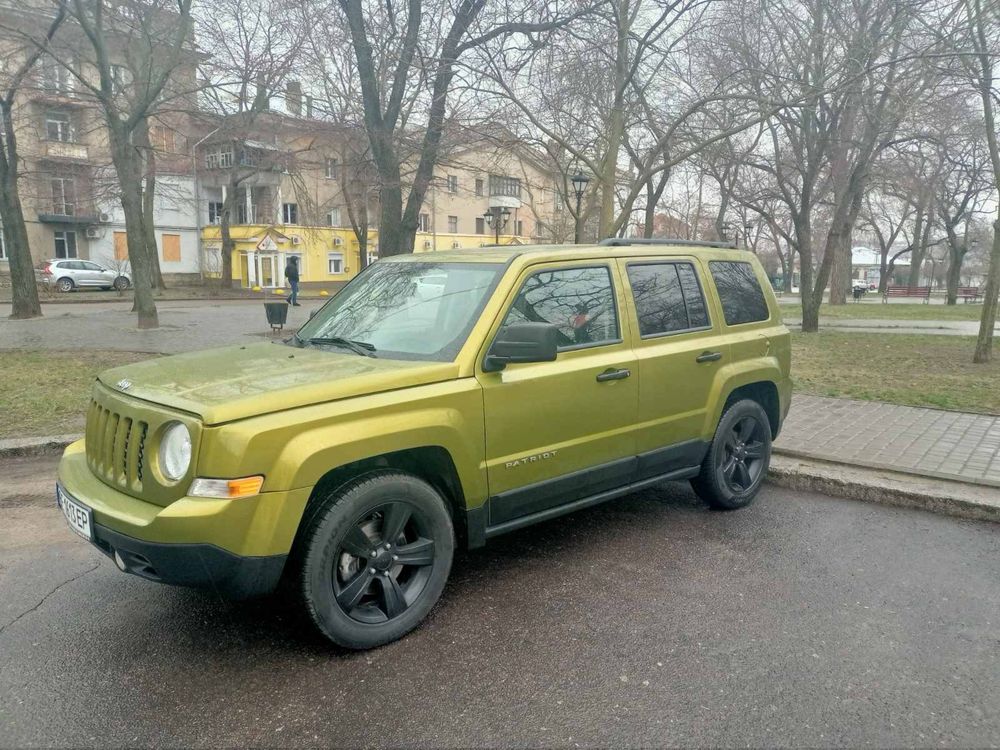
(667, 297)
(739, 291)
(580, 302)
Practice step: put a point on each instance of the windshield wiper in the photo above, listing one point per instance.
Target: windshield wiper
(358, 347)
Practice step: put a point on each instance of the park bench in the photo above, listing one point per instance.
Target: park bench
(970, 293)
(923, 292)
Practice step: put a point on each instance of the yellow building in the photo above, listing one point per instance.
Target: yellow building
(326, 255)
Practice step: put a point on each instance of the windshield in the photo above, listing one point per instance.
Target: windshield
(408, 310)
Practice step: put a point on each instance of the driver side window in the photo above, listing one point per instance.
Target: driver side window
(580, 302)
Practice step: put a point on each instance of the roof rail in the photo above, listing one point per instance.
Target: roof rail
(626, 241)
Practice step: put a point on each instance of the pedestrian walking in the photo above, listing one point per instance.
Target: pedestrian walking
(292, 274)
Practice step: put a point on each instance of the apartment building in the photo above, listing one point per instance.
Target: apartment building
(69, 191)
(297, 181)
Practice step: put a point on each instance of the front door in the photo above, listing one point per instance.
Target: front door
(267, 270)
(558, 431)
(678, 350)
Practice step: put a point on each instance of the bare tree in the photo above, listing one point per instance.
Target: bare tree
(23, 287)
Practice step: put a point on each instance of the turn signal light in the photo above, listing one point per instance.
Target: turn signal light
(226, 488)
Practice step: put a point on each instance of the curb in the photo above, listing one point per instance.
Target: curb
(39, 446)
(944, 497)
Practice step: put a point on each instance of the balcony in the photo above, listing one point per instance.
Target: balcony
(79, 215)
(63, 150)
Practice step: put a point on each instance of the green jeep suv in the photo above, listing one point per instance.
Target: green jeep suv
(438, 399)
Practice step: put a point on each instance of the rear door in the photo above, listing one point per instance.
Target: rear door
(558, 431)
(678, 351)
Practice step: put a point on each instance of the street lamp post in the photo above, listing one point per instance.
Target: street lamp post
(497, 217)
(579, 181)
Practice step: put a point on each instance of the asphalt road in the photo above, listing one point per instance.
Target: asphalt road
(802, 620)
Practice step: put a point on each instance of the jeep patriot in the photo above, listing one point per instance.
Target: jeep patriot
(436, 400)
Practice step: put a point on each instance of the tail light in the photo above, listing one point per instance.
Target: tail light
(47, 269)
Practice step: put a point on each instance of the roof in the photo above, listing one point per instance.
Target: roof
(542, 253)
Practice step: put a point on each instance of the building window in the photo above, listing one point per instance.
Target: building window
(249, 157)
(58, 127)
(171, 244)
(65, 243)
(290, 213)
(219, 158)
(559, 202)
(334, 263)
(63, 196)
(453, 224)
(479, 188)
(333, 217)
(480, 225)
(503, 185)
(332, 168)
(215, 212)
(424, 223)
(520, 228)
(452, 183)
(56, 78)
(161, 138)
(121, 246)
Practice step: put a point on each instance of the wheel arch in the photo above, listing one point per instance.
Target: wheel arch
(765, 393)
(431, 463)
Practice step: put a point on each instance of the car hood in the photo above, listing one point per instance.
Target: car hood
(221, 385)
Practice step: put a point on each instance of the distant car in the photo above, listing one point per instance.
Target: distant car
(867, 286)
(67, 275)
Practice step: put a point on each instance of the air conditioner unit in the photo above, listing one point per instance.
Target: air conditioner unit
(93, 233)
(104, 218)
(427, 244)
(455, 245)
(338, 241)
(296, 240)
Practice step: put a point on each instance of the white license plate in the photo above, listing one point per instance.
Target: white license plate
(79, 517)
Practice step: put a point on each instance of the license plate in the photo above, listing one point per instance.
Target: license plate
(79, 517)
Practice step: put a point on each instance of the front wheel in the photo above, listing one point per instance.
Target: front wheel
(121, 284)
(737, 461)
(375, 558)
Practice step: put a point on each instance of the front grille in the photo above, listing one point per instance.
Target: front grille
(115, 447)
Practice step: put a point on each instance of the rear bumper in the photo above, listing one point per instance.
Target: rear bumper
(198, 565)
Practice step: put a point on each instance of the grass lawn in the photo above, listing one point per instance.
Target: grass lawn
(903, 311)
(916, 370)
(47, 392)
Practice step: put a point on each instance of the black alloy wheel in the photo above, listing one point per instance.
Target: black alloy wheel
(373, 558)
(737, 459)
(382, 563)
(742, 459)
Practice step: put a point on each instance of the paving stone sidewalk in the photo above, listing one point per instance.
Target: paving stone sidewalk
(928, 442)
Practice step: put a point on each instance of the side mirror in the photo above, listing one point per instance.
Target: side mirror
(522, 342)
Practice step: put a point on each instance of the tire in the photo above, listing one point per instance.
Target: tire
(360, 601)
(65, 284)
(121, 284)
(736, 464)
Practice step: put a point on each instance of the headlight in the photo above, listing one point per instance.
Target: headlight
(175, 451)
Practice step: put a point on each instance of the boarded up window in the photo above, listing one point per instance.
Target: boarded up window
(121, 246)
(172, 248)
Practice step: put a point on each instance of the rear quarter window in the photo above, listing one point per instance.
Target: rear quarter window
(739, 292)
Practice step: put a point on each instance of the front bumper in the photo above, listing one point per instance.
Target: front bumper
(237, 547)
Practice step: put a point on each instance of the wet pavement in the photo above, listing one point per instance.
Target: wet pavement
(802, 620)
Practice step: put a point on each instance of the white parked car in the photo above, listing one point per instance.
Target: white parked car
(72, 273)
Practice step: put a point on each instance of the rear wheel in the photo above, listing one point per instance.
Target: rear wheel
(65, 284)
(737, 461)
(375, 558)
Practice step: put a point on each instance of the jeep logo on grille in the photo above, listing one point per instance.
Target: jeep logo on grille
(123, 384)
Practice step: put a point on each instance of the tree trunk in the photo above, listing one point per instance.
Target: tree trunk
(984, 342)
(954, 275)
(24, 289)
(149, 231)
(128, 167)
(919, 248)
(228, 244)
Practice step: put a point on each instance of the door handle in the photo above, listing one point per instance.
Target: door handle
(708, 357)
(613, 375)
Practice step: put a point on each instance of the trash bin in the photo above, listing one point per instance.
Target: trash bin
(277, 314)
